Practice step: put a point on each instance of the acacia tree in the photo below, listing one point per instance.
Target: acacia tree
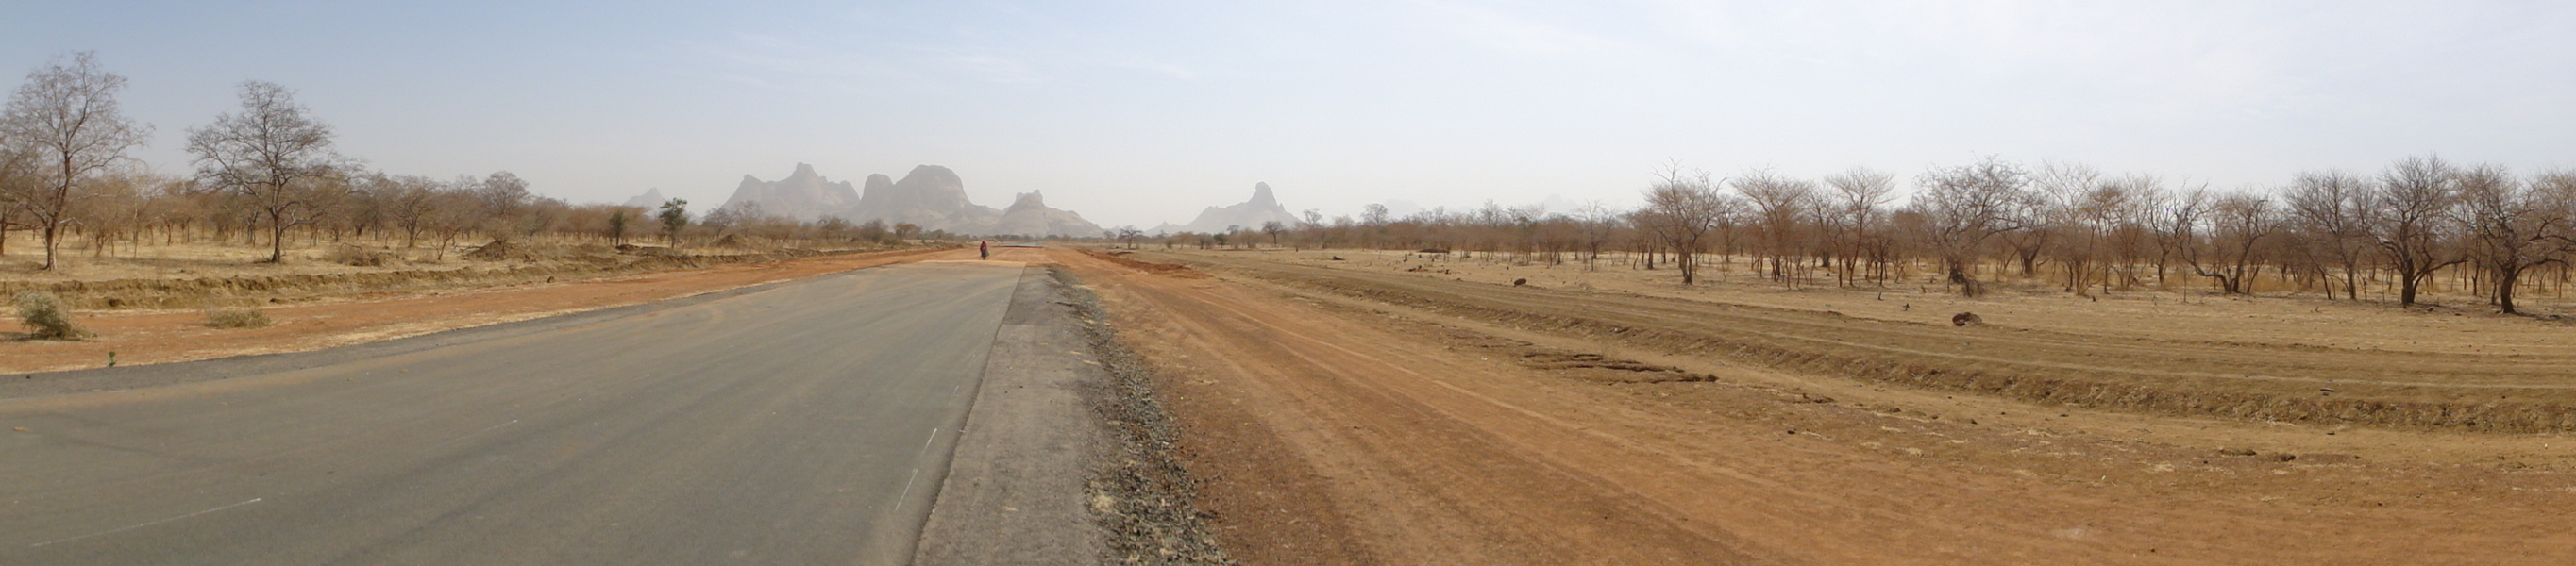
(1861, 196)
(1965, 206)
(2328, 208)
(271, 155)
(1780, 207)
(617, 226)
(2231, 254)
(17, 177)
(1681, 209)
(2090, 220)
(675, 216)
(2044, 209)
(2512, 226)
(2409, 213)
(67, 121)
(410, 203)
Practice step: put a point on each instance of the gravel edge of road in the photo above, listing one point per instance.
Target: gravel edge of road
(1150, 512)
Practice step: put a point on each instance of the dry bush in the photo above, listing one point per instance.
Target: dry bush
(360, 256)
(46, 319)
(236, 318)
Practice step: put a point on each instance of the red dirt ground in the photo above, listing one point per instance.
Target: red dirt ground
(1331, 434)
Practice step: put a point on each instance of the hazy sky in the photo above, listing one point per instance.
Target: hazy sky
(1143, 112)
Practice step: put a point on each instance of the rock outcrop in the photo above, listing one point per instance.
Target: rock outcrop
(930, 196)
(803, 195)
(1030, 216)
(1249, 215)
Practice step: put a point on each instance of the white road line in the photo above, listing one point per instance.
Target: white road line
(129, 528)
(916, 470)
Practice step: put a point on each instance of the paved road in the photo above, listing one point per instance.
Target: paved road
(804, 423)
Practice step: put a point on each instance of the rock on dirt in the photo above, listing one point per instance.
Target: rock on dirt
(1966, 319)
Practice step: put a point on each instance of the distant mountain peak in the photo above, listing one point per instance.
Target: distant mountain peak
(1031, 199)
(1250, 214)
(803, 195)
(650, 199)
(1261, 196)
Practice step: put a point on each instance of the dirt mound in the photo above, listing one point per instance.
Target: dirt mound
(1155, 268)
(498, 250)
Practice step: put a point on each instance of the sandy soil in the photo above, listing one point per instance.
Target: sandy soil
(2462, 325)
(160, 336)
(1333, 429)
(2171, 364)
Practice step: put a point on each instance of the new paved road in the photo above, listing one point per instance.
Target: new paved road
(804, 423)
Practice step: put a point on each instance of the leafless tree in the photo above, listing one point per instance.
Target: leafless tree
(67, 117)
(2513, 226)
(2045, 209)
(272, 155)
(17, 179)
(1858, 207)
(1682, 208)
(2238, 224)
(1274, 228)
(2090, 220)
(1965, 206)
(1600, 224)
(2329, 208)
(2410, 217)
(1780, 210)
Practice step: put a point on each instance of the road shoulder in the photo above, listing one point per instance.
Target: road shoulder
(1063, 458)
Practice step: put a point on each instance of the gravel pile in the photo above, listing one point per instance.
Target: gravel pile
(1139, 494)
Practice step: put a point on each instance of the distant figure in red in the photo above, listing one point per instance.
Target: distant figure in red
(984, 249)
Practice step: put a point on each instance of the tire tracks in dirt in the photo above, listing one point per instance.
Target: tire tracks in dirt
(2413, 390)
(1328, 437)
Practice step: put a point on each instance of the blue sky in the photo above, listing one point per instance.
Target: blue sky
(1144, 112)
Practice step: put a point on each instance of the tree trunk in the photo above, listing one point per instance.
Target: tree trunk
(276, 237)
(2505, 278)
(51, 230)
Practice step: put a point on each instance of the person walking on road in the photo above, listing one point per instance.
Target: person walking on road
(984, 250)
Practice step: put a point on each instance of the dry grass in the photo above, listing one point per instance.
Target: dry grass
(191, 276)
(361, 256)
(236, 318)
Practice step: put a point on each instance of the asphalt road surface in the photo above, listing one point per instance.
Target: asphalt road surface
(804, 423)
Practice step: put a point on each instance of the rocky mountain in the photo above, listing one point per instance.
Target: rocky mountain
(803, 195)
(930, 196)
(1030, 216)
(651, 199)
(1264, 207)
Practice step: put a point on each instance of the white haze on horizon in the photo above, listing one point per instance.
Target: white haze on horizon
(1138, 113)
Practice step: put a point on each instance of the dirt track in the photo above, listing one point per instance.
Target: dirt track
(1329, 433)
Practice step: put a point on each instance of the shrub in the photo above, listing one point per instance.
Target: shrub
(46, 319)
(359, 256)
(236, 318)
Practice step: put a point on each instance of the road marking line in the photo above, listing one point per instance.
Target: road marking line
(916, 470)
(471, 434)
(114, 531)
